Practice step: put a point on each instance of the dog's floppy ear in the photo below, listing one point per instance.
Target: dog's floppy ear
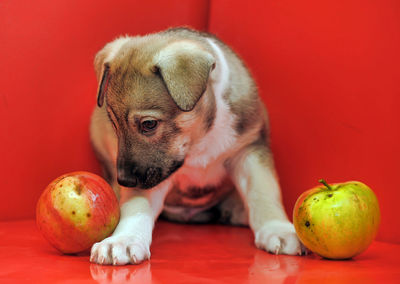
(102, 65)
(185, 68)
(102, 89)
(103, 75)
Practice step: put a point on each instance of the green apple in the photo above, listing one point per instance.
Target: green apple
(337, 221)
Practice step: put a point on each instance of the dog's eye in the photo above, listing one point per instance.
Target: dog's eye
(149, 126)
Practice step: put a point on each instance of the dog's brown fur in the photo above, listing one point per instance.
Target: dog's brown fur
(211, 134)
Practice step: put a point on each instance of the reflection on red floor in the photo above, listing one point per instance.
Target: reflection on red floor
(189, 254)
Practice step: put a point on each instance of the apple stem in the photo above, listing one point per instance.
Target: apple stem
(325, 183)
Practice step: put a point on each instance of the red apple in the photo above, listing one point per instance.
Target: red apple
(77, 210)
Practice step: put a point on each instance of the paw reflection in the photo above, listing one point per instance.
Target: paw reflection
(121, 274)
(273, 268)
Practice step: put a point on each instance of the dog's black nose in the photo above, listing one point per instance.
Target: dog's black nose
(127, 182)
(126, 174)
(129, 174)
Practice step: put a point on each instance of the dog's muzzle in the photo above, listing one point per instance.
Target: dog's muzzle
(130, 175)
(126, 180)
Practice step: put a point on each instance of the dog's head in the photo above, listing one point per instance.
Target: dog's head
(151, 87)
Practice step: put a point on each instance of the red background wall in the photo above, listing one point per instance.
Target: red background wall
(327, 71)
(48, 86)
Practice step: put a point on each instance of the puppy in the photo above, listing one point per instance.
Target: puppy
(181, 131)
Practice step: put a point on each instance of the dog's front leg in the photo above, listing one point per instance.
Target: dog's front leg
(130, 242)
(254, 176)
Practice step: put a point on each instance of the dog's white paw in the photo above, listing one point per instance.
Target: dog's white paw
(279, 237)
(120, 250)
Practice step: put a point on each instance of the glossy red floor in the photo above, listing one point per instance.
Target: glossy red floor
(189, 254)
